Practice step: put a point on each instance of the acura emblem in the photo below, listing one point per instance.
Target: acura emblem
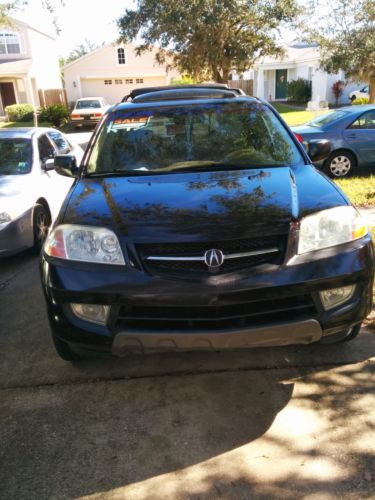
(214, 258)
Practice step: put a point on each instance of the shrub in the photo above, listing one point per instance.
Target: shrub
(361, 100)
(19, 112)
(337, 90)
(299, 90)
(57, 114)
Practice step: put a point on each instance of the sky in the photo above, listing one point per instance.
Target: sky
(78, 20)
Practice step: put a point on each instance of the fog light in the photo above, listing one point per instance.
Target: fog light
(336, 296)
(91, 312)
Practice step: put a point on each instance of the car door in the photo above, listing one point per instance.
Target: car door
(54, 186)
(360, 136)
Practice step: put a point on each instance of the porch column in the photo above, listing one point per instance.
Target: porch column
(30, 97)
(260, 83)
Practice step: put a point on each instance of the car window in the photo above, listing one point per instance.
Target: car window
(60, 142)
(169, 138)
(88, 104)
(365, 121)
(327, 119)
(15, 156)
(46, 150)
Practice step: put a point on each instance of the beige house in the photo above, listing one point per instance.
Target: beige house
(112, 72)
(28, 63)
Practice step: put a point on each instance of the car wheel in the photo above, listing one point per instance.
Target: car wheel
(339, 164)
(344, 336)
(64, 351)
(353, 98)
(41, 224)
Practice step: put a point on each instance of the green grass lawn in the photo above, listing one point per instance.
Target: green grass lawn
(359, 190)
(23, 124)
(294, 116)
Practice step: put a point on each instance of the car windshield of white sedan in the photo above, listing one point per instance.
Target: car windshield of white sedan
(15, 156)
(90, 104)
(327, 119)
(192, 137)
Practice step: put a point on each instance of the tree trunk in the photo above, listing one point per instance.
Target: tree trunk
(372, 91)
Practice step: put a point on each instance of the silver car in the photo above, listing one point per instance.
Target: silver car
(31, 192)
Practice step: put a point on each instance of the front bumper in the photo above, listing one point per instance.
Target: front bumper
(17, 235)
(265, 291)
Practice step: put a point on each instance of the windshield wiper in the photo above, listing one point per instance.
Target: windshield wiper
(120, 172)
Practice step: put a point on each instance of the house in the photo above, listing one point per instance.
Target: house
(28, 64)
(271, 75)
(112, 72)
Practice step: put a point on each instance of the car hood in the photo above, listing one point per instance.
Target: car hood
(15, 191)
(199, 206)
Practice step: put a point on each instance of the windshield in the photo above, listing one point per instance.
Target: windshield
(92, 104)
(15, 156)
(166, 139)
(327, 119)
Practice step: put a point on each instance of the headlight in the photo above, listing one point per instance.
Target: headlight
(5, 218)
(330, 227)
(84, 243)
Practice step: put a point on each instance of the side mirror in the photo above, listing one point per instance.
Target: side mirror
(66, 165)
(48, 164)
(318, 149)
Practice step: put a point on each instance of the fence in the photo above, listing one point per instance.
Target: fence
(246, 85)
(50, 97)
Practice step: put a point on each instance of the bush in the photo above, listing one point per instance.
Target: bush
(361, 100)
(57, 114)
(19, 112)
(299, 91)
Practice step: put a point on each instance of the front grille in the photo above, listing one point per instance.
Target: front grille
(185, 318)
(197, 249)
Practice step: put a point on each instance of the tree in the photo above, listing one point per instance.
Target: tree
(207, 39)
(7, 9)
(80, 50)
(346, 39)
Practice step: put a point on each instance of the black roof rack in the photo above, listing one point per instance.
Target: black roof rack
(184, 94)
(209, 86)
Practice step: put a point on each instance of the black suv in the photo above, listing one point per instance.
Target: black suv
(197, 221)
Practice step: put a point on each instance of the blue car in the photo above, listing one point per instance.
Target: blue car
(351, 132)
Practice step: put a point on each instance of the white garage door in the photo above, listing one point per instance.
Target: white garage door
(114, 89)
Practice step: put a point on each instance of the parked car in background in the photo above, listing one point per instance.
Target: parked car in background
(198, 222)
(351, 132)
(31, 192)
(88, 111)
(357, 94)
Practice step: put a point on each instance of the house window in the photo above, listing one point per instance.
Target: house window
(139, 80)
(118, 82)
(121, 56)
(129, 80)
(9, 43)
(107, 82)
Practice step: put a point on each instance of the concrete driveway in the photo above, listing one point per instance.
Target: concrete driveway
(81, 138)
(292, 422)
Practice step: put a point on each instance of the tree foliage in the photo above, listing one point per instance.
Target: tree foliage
(207, 39)
(80, 50)
(8, 9)
(346, 38)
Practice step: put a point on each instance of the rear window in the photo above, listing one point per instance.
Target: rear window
(165, 139)
(327, 119)
(15, 156)
(90, 104)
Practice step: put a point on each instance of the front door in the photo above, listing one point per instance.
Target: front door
(281, 83)
(8, 96)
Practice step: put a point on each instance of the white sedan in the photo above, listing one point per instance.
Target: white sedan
(31, 192)
(88, 111)
(358, 94)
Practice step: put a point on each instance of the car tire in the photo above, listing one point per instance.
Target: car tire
(64, 351)
(41, 224)
(340, 164)
(344, 336)
(353, 98)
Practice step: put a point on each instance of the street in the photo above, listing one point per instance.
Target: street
(265, 423)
